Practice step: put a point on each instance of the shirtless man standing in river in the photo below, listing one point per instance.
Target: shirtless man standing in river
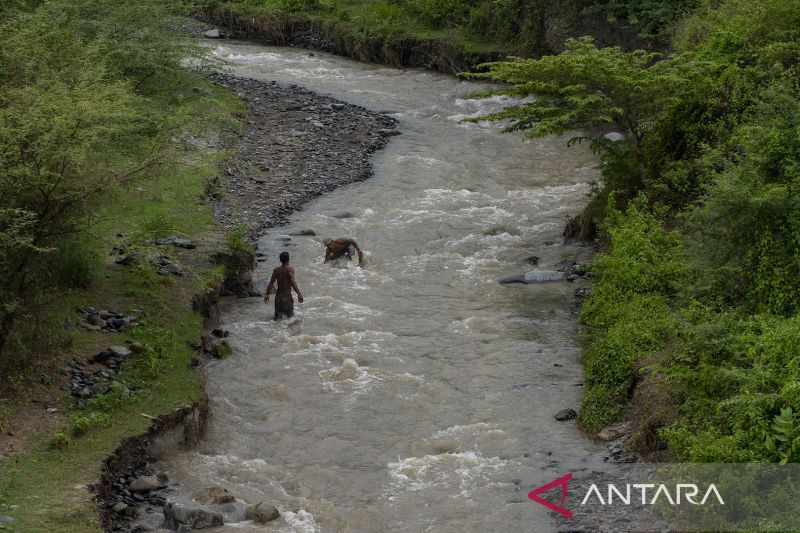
(336, 248)
(284, 275)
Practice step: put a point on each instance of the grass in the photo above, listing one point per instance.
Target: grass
(48, 479)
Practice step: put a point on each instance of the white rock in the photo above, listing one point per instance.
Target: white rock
(614, 136)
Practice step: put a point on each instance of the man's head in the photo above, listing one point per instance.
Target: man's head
(327, 241)
(284, 257)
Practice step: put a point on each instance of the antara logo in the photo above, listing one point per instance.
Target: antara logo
(650, 493)
(562, 482)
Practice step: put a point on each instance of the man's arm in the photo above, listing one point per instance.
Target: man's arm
(294, 285)
(269, 287)
(360, 253)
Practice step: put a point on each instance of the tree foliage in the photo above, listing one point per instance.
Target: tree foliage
(86, 90)
(693, 323)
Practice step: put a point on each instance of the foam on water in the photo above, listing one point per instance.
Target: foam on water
(461, 472)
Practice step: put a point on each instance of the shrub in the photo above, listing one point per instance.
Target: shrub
(59, 441)
(74, 264)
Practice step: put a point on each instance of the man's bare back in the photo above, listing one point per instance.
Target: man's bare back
(337, 248)
(284, 276)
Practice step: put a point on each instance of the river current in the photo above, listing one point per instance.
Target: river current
(417, 393)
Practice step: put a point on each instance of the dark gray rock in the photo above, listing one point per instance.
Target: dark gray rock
(119, 351)
(566, 264)
(262, 513)
(96, 321)
(143, 484)
(195, 517)
(566, 414)
(127, 260)
(532, 260)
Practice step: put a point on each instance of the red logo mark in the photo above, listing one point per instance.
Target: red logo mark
(560, 482)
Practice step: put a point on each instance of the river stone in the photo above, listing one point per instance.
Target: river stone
(533, 260)
(262, 513)
(566, 263)
(183, 243)
(137, 347)
(214, 495)
(195, 517)
(96, 320)
(212, 34)
(535, 276)
(614, 136)
(143, 484)
(566, 414)
(119, 351)
(119, 507)
(615, 431)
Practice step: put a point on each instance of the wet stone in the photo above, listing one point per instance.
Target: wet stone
(566, 414)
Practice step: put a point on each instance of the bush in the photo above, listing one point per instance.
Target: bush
(237, 241)
(74, 264)
(59, 441)
(628, 314)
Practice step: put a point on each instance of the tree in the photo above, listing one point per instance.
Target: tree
(586, 88)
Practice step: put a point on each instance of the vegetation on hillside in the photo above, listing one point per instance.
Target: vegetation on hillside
(475, 25)
(694, 323)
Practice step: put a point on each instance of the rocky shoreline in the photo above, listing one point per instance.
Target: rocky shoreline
(296, 146)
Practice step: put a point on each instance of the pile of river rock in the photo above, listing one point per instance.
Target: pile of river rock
(104, 320)
(141, 502)
(84, 383)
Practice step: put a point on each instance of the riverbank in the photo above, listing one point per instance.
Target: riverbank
(394, 39)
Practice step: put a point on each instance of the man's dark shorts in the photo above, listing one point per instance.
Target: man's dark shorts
(284, 306)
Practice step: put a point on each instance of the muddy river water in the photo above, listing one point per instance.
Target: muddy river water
(417, 393)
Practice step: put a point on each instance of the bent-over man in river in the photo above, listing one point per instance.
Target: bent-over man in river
(284, 275)
(337, 248)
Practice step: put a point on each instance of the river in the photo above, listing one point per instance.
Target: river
(417, 393)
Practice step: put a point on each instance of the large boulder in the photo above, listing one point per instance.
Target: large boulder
(195, 517)
(566, 414)
(143, 484)
(262, 513)
(615, 431)
(535, 276)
